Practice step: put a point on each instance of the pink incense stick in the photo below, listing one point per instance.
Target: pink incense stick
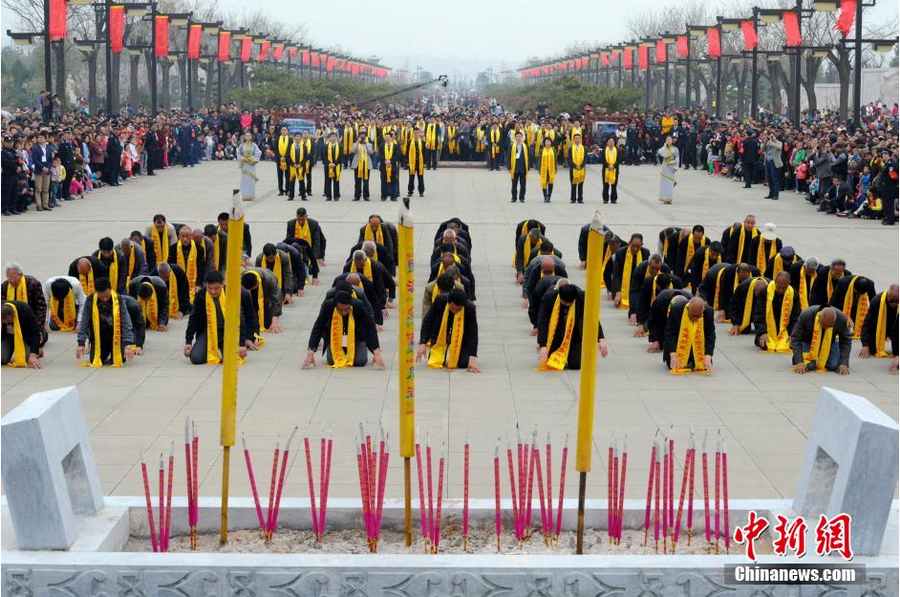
(317, 515)
(281, 477)
(312, 492)
(549, 530)
(727, 528)
(430, 490)
(609, 489)
(363, 494)
(665, 490)
(512, 489)
(536, 457)
(421, 492)
(384, 457)
(497, 519)
(684, 478)
(690, 515)
(373, 478)
(615, 489)
(656, 516)
(195, 455)
(522, 475)
(621, 516)
(465, 529)
(440, 498)
(169, 494)
(188, 470)
(364, 480)
(649, 490)
(718, 489)
(705, 461)
(671, 478)
(323, 506)
(149, 505)
(562, 486)
(259, 514)
(529, 457)
(271, 509)
(161, 504)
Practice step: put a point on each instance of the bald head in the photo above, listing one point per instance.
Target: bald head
(448, 259)
(353, 279)
(827, 317)
(695, 307)
(561, 282)
(893, 293)
(760, 286)
(548, 265)
(125, 245)
(83, 266)
(449, 235)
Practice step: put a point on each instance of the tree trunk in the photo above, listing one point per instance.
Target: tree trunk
(809, 82)
(740, 80)
(208, 68)
(182, 83)
(165, 65)
(134, 63)
(774, 85)
(59, 56)
(116, 64)
(91, 60)
(841, 64)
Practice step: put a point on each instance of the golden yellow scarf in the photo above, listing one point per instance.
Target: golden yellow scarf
(117, 333)
(160, 245)
(440, 351)
(67, 323)
(388, 152)
(19, 292)
(362, 165)
(341, 357)
(190, 269)
(431, 136)
(741, 239)
(416, 158)
(296, 153)
(762, 259)
(212, 329)
(778, 337)
(367, 269)
(609, 171)
(718, 286)
(578, 170)
(548, 167)
(691, 338)
(113, 270)
(349, 138)
(150, 307)
(217, 252)
(748, 305)
(862, 308)
(303, 232)
(451, 139)
(173, 295)
(131, 266)
(606, 256)
(806, 288)
(627, 267)
(706, 265)
(377, 236)
(881, 328)
(495, 142)
(689, 256)
(820, 346)
(558, 359)
(333, 152)
(87, 282)
(19, 359)
(283, 142)
(260, 301)
(512, 160)
(276, 267)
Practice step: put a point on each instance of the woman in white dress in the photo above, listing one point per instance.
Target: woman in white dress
(248, 156)
(670, 160)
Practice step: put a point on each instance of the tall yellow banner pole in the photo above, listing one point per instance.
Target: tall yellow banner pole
(407, 349)
(588, 366)
(230, 346)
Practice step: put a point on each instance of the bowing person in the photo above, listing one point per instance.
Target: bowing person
(690, 337)
(450, 240)
(765, 247)
(135, 258)
(575, 158)
(880, 326)
(803, 278)
(64, 298)
(542, 266)
(659, 312)
(545, 284)
(748, 297)
(650, 288)
(775, 317)
(153, 296)
(525, 244)
(177, 289)
(704, 258)
(106, 325)
(782, 261)
(205, 334)
(114, 262)
(265, 293)
(310, 232)
(560, 327)
(218, 242)
(381, 232)
(719, 285)
(610, 163)
(222, 220)
(827, 279)
(352, 283)
(162, 234)
(821, 340)
(626, 261)
(364, 290)
(190, 256)
(737, 238)
(853, 296)
(19, 286)
(21, 337)
(450, 331)
(649, 268)
(87, 269)
(347, 331)
(443, 284)
(279, 263)
(687, 247)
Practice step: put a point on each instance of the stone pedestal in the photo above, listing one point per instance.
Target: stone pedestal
(48, 469)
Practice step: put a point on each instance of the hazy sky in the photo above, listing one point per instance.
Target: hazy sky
(465, 36)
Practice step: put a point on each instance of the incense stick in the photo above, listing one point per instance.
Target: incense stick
(562, 487)
(497, 518)
(149, 504)
(727, 528)
(650, 488)
(705, 460)
(281, 478)
(465, 528)
(440, 499)
(169, 494)
(512, 488)
(421, 492)
(621, 515)
(310, 483)
(324, 504)
(259, 514)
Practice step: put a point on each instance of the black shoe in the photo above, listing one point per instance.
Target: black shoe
(775, 198)
(393, 198)
(572, 201)
(521, 201)
(409, 195)
(767, 197)
(290, 198)
(280, 193)
(421, 194)
(327, 198)
(886, 223)
(302, 198)
(513, 200)
(365, 198)
(383, 199)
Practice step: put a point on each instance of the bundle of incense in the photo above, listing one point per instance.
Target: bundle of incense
(272, 486)
(548, 533)
(150, 521)
(498, 524)
(465, 522)
(436, 539)
(269, 522)
(665, 490)
(372, 468)
(690, 515)
(512, 490)
(424, 523)
(688, 455)
(621, 511)
(536, 459)
(718, 485)
(727, 528)
(671, 499)
(325, 480)
(650, 479)
(705, 461)
(562, 487)
(313, 511)
(529, 468)
(259, 514)
(281, 478)
(383, 459)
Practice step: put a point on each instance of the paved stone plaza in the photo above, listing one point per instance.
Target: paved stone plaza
(761, 408)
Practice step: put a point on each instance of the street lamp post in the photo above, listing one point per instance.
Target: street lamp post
(754, 79)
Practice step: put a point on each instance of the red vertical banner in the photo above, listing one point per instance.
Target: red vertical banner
(643, 57)
(304, 58)
(264, 50)
(661, 51)
(116, 27)
(329, 64)
(792, 29)
(844, 22)
(292, 52)
(681, 46)
(604, 58)
(354, 69)
(57, 25)
(750, 37)
(316, 62)
(278, 52)
(224, 45)
(195, 35)
(161, 50)
(614, 55)
(714, 42)
(246, 47)
(627, 58)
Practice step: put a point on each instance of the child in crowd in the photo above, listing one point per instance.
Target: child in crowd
(57, 176)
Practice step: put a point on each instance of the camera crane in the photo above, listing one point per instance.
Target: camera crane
(443, 80)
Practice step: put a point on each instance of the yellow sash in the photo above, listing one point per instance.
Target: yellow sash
(548, 167)
(416, 160)
(260, 301)
(440, 350)
(558, 359)
(117, 333)
(276, 267)
(778, 265)
(778, 337)
(431, 136)
(341, 357)
(804, 290)
(190, 269)
(131, 260)
(67, 323)
(626, 276)
(303, 232)
(653, 289)
(160, 245)
(512, 160)
(606, 255)
(609, 172)
(862, 308)
(718, 285)
(578, 170)
(831, 285)
(296, 160)
(367, 269)
(362, 166)
(87, 282)
(114, 271)
(761, 258)
(334, 172)
(19, 360)
(150, 307)
(173, 295)
(819, 347)
(881, 328)
(212, 329)
(706, 268)
(283, 141)
(377, 236)
(690, 338)
(748, 305)
(495, 142)
(689, 256)
(388, 163)
(741, 239)
(216, 251)
(451, 139)
(19, 292)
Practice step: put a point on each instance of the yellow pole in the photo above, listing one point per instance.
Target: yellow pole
(407, 348)
(230, 346)
(588, 366)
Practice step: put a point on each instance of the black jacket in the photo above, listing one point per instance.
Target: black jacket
(869, 328)
(365, 327)
(431, 326)
(197, 322)
(673, 326)
(31, 330)
(315, 231)
(803, 331)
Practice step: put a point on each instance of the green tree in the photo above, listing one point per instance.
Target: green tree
(563, 94)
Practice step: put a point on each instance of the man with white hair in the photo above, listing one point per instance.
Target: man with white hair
(20, 287)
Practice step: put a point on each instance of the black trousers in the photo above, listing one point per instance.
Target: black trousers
(431, 159)
(610, 192)
(548, 192)
(332, 188)
(518, 181)
(390, 189)
(106, 344)
(411, 186)
(199, 350)
(282, 178)
(360, 356)
(308, 186)
(289, 186)
(493, 161)
(67, 182)
(360, 187)
(8, 351)
(577, 192)
(8, 190)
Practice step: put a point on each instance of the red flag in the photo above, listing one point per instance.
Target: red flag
(194, 37)
(246, 47)
(572, 64)
(614, 54)
(292, 52)
(545, 70)
(661, 51)
(681, 46)
(714, 48)
(354, 69)
(643, 57)
(224, 46)
(304, 58)
(264, 50)
(844, 22)
(162, 36)
(57, 20)
(604, 58)
(627, 56)
(329, 64)
(315, 59)
(792, 29)
(586, 61)
(750, 37)
(278, 53)
(116, 27)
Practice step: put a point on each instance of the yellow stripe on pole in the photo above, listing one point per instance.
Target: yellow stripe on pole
(232, 323)
(407, 341)
(589, 346)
